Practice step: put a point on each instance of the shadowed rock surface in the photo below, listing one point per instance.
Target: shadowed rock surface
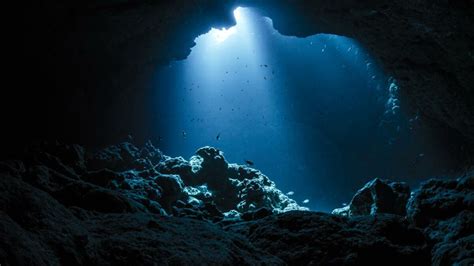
(378, 196)
(445, 208)
(61, 206)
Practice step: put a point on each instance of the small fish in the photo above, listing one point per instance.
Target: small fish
(249, 163)
(184, 134)
(305, 201)
(291, 193)
(218, 136)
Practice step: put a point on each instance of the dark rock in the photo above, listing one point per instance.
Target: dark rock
(308, 238)
(441, 199)
(210, 167)
(53, 213)
(178, 166)
(378, 196)
(47, 179)
(94, 198)
(35, 229)
(171, 189)
(13, 167)
(61, 157)
(257, 214)
(102, 177)
(212, 210)
(151, 153)
(173, 240)
(445, 209)
(121, 157)
(459, 252)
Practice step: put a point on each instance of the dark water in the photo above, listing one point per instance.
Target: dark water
(317, 115)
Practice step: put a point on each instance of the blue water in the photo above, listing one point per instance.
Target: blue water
(317, 115)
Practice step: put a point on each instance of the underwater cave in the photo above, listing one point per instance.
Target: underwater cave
(240, 132)
(317, 114)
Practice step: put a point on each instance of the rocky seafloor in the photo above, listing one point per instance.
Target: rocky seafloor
(128, 205)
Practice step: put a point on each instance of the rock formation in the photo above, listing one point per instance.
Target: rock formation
(378, 196)
(64, 205)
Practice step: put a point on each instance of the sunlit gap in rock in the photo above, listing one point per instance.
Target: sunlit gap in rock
(316, 114)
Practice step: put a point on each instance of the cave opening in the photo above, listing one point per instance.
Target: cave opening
(318, 115)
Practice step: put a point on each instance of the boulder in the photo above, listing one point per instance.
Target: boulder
(444, 208)
(171, 189)
(378, 196)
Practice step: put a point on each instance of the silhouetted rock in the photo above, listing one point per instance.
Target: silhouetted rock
(171, 189)
(121, 157)
(309, 238)
(439, 199)
(102, 177)
(445, 209)
(378, 196)
(257, 214)
(35, 229)
(137, 209)
(90, 197)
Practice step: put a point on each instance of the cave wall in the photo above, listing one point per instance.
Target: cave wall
(86, 69)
